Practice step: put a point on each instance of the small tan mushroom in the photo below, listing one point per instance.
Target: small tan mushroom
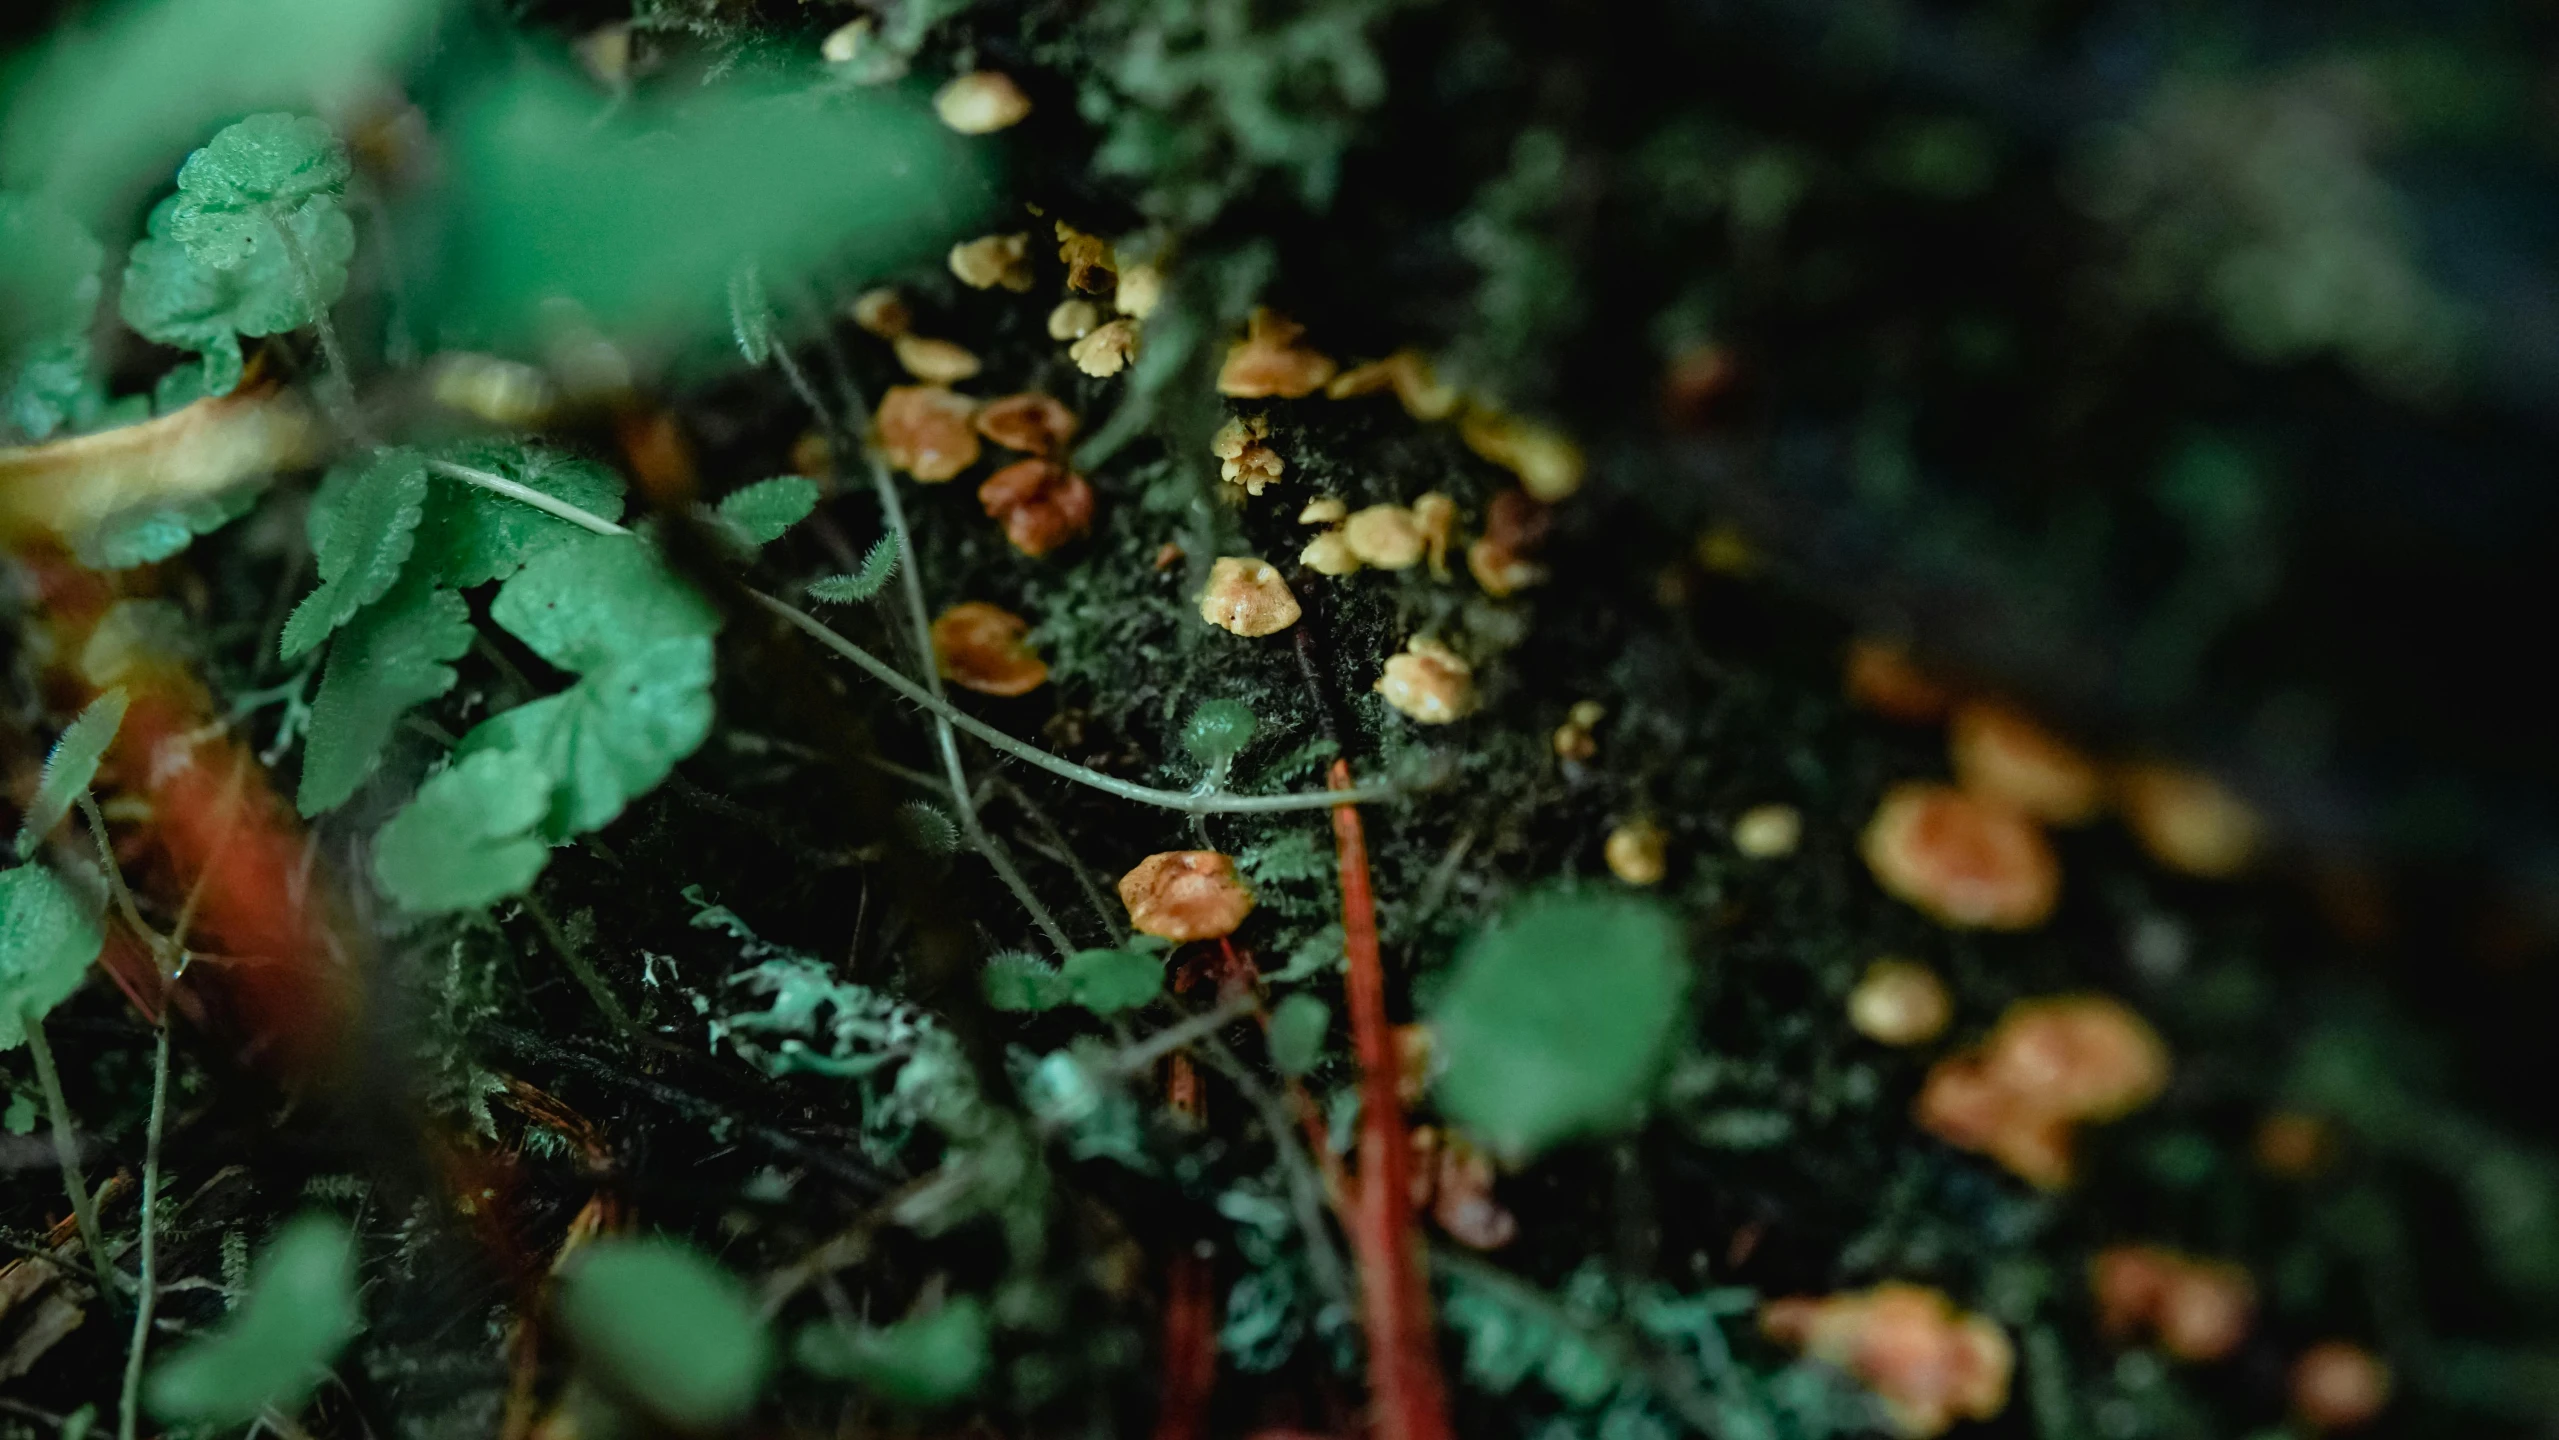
(1638, 853)
(2200, 1310)
(1268, 361)
(1504, 559)
(1329, 554)
(844, 44)
(992, 260)
(1549, 465)
(1247, 597)
(924, 430)
(1966, 863)
(500, 391)
(1574, 739)
(2187, 821)
(883, 312)
(1087, 257)
(985, 648)
(1408, 373)
(1386, 536)
(1900, 1002)
(1928, 1362)
(935, 362)
(1041, 502)
(2047, 1066)
(2337, 1385)
(981, 103)
(1436, 515)
(1073, 320)
(1323, 510)
(1107, 350)
(1030, 422)
(1428, 682)
(1461, 1180)
(1999, 753)
(1141, 289)
(1186, 895)
(1244, 455)
(1880, 677)
(1768, 832)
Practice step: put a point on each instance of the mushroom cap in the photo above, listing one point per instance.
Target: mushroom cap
(1042, 504)
(935, 362)
(1428, 682)
(1105, 351)
(981, 103)
(2337, 1385)
(1900, 1002)
(1965, 862)
(1880, 676)
(1930, 1363)
(1637, 852)
(924, 430)
(1386, 536)
(981, 647)
(1268, 361)
(2080, 1057)
(1245, 596)
(1031, 422)
(1549, 465)
(2187, 821)
(2000, 753)
(1186, 895)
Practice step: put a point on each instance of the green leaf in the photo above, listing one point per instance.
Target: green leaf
(639, 217)
(70, 768)
(1558, 1019)
(471, 536)
(154, 533)
(49, 287)
(1218, 731)
(758, 514)
(922, 1361)
(1016, 982)
(389, 658)
(470, 836)
(1297, 1032)
(361, 539)
(928, 829)
(105, 104)
(611, 736)
(274, 1350)
(174, 297)
(751, 317)
(47, 939)
(862, 584)
(582, 605)
(1108, 981)
(668, 1328)
(264, 172)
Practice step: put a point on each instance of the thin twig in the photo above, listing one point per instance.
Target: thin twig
(1403, 1359)
(128, 1415)
(66, 1151)
(605, 999)
(1173, 1037)
(115, 873)
(1209, 802)
(1065, 855)
(1305, 1186)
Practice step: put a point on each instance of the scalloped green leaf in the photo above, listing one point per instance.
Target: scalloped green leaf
(760, 513)
(1109, 981)
(1020, 983)
(669, 1328)
(48, 936)
(389, 659)
(613, 735)
(470, 837)
(582, 605)
(255, 175)
(276, 1348)
(1559, 1018)
(361, 539)
(70, 767)
(49, 288)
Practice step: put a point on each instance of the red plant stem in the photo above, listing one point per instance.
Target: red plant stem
(1408, 1397)
(1190, 1296)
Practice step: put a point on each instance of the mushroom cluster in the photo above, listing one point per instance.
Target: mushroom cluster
(2200, 1310)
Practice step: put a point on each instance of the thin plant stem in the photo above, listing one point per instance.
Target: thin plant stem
(332, 354)
(1196, 802)
(587, 975)
(115, 873)
(1065, 855)
(146, 1293)
(526, 494)
(1173, 1037)
(1305, 1186)
(66, 1150)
